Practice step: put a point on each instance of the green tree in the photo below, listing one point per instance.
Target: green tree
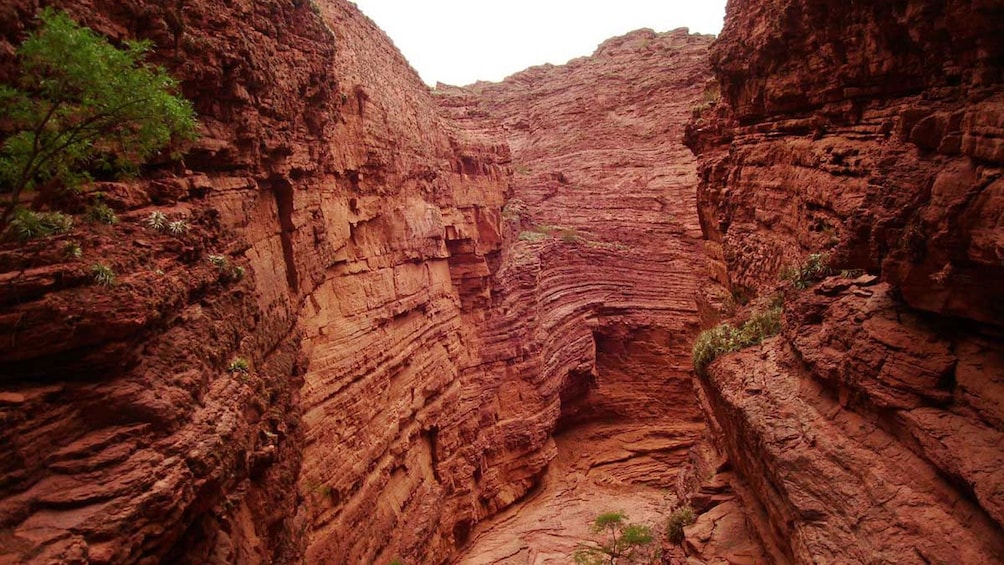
(623, 543)
(81, 105)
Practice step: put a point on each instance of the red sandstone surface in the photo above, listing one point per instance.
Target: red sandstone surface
(124, 438)
(599, 166)
(469, 311)
(871, 430)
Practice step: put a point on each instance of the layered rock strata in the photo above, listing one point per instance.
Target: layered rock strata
(605, 236)
(410, 223)
(439, 326)
(125, 437)
(869, 431)
(365, 225)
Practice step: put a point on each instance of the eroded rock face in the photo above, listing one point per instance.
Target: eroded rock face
(597, 283)
(866, 431)
(448, 293)
(366, 224)
(408, 371)
(863, 454)
(410, 234)
(125, 438)
(868, 132)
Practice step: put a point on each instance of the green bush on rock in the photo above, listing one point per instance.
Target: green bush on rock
(814, 269)
(721, 339)
(27, 225)
(680, 518)
(80, 105)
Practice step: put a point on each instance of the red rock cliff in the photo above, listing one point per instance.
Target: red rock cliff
(449, 293)
(125, 439)
(410, 227)
(408, 370)
(870, 431)
(594, 312)
(365, 224)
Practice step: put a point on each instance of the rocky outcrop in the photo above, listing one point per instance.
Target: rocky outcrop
(877, 144)
(869, 134)
(410, 222)
(860, 454)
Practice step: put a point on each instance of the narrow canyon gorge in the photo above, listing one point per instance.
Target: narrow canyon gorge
(469, 312)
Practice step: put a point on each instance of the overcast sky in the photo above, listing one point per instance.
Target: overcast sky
(462, 41)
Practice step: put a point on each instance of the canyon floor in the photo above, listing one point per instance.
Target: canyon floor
(597, 469)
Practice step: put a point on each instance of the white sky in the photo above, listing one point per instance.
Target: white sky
(462, 41)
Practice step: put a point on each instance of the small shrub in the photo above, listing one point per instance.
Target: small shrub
(532, 236)
(815, 269)
(239, 365)
(709, 99)
(72, 250)
(177, 227)
(679, 519)
(27, 225)
(79, 104)
(103, 274)
(100, 213)
(760, 325)
(157, 220)
(514, 209)
(226, 270)
(722, 339)
(712, 344)
(852, 273)
(218, 261)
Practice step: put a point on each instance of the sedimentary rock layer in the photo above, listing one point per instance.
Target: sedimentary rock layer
(873, 133)
(365, 224)
(604, 237)
(870, 134)
(406, 371)
(405, 228)
(125, 437)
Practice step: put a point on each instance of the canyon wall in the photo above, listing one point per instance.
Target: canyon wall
(870, 430)
(597, 282)
(468, 311)
(364, 224)
(125, 437)
(398, 403)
